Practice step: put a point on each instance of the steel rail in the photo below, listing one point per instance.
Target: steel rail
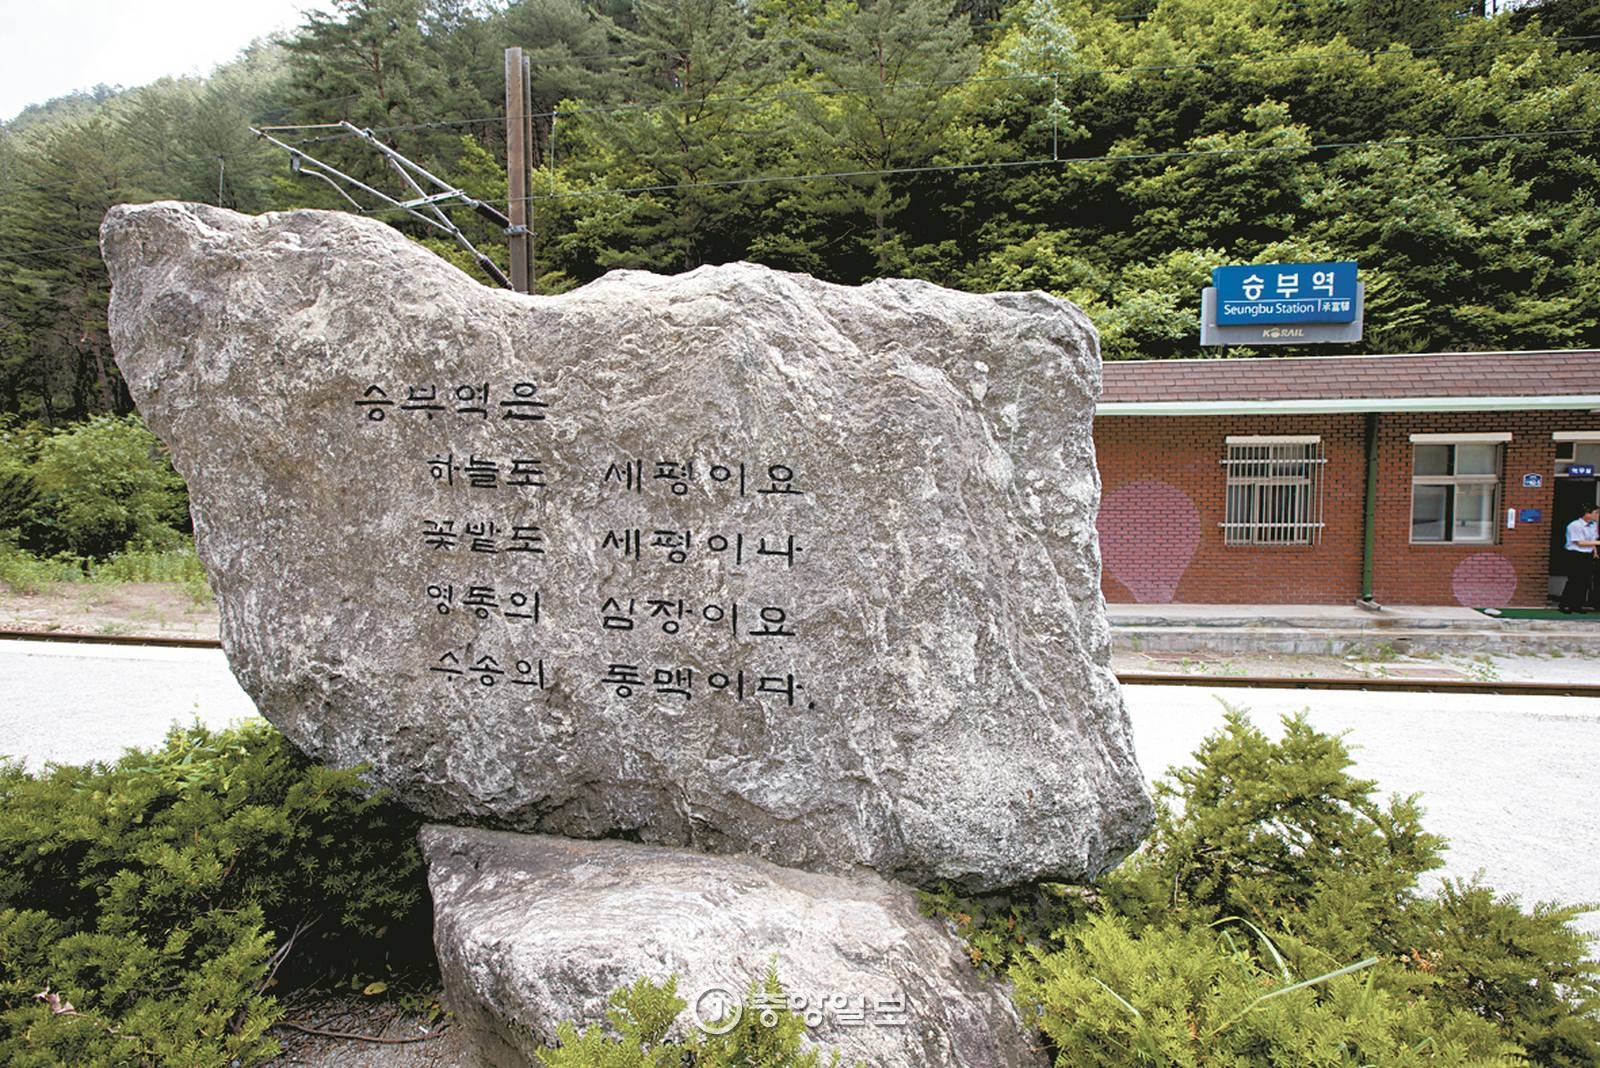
(1127, 678)
(73, 637)
(1372, 685)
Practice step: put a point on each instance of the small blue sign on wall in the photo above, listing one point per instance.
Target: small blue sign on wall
(1532, 481)
(1286, 293)
(1580, 470)
(1530, 515)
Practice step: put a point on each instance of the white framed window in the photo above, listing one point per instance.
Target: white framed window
(1576, 447)
(1274, 490)
(1455, 487)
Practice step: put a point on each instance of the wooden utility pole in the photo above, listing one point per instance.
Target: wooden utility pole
(518, 91)
(529, 148)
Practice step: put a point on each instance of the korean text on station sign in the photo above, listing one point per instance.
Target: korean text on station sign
(1262, 293)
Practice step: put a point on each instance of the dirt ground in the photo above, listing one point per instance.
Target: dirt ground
(143, 609)
(354, 1032)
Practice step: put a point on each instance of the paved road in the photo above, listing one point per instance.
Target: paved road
(1513, 783)
(75, 703)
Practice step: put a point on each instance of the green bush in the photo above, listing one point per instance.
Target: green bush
(164, 896)
(1273, 917)
(96, 499)
(1183, 995)
(19, 497)
(23, 572)
(1523, 971)
(1281, 834)
(181, 566)
(98, 488)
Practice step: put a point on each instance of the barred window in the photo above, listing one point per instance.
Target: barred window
(1274, 491)
(1455, 486)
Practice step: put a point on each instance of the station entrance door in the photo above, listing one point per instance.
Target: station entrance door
(1572, 495)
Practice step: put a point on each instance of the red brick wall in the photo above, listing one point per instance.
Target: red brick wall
(1162, 500)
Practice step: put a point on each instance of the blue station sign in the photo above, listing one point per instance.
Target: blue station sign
(1262, 293)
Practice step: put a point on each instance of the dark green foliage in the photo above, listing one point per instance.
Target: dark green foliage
(1274, 917)
(165, 895)
(98, 499)
(19, 493)
(884, 77)
(1524, 971)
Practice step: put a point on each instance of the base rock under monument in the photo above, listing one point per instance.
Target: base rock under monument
(737, 559)
(533, 930)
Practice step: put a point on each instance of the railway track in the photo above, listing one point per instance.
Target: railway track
(1127, 678)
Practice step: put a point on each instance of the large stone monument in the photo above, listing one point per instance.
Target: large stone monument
(737, 560)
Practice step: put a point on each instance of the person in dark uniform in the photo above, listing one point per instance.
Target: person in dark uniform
(1582, 537)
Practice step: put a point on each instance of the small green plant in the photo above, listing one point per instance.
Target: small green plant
(142, 565)
(1483, 668)
(22, 572)
(641, 1017)
(181, 566)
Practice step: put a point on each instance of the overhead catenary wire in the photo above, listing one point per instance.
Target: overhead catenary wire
(409, 172)
(1054, 78)
(960, 168)
(667, 187)
(14, 254)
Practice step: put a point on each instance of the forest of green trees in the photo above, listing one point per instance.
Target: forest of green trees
(1110, 151)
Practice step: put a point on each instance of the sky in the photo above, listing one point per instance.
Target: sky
(54, 47)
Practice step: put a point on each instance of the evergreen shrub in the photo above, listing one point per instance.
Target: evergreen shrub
(148, 908)
(1274, 917)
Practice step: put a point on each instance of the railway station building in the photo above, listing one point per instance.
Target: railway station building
(1420, 479)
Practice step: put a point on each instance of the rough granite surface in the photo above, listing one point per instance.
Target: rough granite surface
(735, 559)
(532, 930)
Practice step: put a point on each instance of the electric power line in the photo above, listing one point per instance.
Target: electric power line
(1108, 158)
(1128, 157)
(21, 253)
